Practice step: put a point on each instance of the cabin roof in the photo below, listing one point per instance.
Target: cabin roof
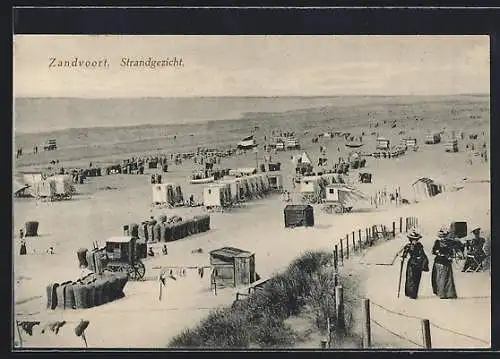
(121, 239)
(425, 180)
(230, 252)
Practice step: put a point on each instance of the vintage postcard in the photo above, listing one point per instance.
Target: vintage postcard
(251, 192)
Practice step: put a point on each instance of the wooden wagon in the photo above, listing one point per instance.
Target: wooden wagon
(122, 255)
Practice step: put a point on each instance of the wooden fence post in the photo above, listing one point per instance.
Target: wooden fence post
(360, 246)
(393, 229)
(341, 252)
(426, 333)
(400, 224)
(367, 336)
(367, 236)
(339, 307)
(407, 226)
(347, 246)
(336, 258)
(353, 242)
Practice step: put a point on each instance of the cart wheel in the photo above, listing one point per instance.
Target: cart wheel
(139, 270)
(338, 209)
(132, 273)
(124, 269)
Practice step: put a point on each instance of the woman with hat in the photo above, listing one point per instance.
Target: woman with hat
(475, 251)
(417, 263)
(442, 281)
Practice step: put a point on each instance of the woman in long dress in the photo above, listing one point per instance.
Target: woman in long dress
(417, 263)
(443, 284)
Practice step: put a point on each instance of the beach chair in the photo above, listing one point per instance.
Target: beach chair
(478, 265)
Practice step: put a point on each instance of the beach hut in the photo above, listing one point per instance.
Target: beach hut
(310, 184)
(166, 193)
(310, 189)
(46, 188)
(265, 182)
(383, 144)
(235, 186)
(245, 188)
(410, 143)
(433, 138)
(275, 181)
(232, 267)
(217, 196)
(63, 186)
(451, 145)
(292, 143)
(280, 145)
(159, 193)
(30, 178)
(298, 215)
(424, 188)
(253, 186)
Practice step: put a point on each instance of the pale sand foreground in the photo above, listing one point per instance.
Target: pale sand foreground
(140, 320)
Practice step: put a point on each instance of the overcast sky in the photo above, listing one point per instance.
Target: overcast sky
(255, 65)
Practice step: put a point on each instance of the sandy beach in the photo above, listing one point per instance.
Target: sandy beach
(95, 214)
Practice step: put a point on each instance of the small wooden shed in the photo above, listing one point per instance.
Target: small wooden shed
(233, 267)
(299, 215)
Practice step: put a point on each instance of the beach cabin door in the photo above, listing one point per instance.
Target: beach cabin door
(242, 271)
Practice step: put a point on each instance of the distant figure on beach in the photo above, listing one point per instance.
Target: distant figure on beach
(417, 263)
(475, 251)
(443, 284)
(23, 250)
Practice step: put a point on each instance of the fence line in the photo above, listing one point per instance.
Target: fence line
(396, 334)
(461, 334)
(394, 312)
(371, 236)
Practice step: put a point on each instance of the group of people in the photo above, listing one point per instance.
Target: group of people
(444, 249)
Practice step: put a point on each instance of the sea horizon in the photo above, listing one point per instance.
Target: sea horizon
(30, 112)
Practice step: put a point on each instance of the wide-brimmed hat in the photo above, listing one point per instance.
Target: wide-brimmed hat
(413, 235)
(477, 229)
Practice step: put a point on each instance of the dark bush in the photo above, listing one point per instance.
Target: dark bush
(259, 319)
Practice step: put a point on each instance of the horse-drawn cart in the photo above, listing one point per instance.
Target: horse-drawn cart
(122, 255)
(339, 198)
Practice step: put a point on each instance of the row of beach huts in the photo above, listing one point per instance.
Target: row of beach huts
(239, 186)
(55, 187)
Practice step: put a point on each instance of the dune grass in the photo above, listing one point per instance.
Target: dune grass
(259, 320)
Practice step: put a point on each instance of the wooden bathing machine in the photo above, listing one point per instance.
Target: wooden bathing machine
(233, 267)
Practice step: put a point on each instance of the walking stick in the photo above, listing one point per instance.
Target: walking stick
(400, 276)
